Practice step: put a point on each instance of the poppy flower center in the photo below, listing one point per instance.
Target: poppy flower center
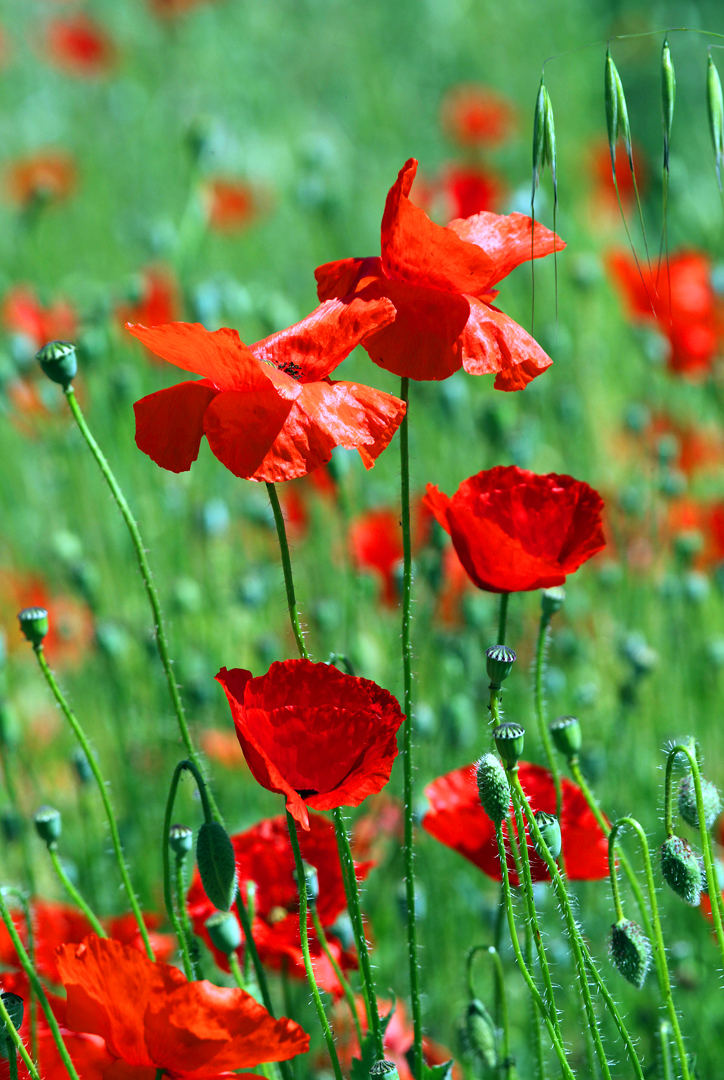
(290, 368)
(306, 793)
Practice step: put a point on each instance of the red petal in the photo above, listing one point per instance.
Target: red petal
(493, 342)
(506, 238)
(242, 427)
(354, 416)
(170, 424)
(438, 502)
(218, 355)
(344, 276)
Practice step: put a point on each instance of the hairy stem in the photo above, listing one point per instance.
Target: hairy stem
(287, 568)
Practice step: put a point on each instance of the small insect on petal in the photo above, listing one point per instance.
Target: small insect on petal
(715, 109)
(668, 93)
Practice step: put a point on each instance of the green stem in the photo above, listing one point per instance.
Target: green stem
(503, 617)
(190, 971)
(287, 568)
(145, 569)
(27, 915)
(14, 1041)
(343, 982)
(179, 886)
(500, 994)
(540, 716)
(407, 729)
(102, 788)
(73, 893)
(304, 935)
(667, 1069)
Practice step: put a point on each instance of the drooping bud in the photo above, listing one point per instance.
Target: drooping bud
(58, 361)
(550, 829)
(34, 624)
(180, 839)
(217, 864)
(311, 880)
(385, 1069)
(493, 787)
(480, 1034)
(224, 931)
(499, 660)
(551, 600)
(687, 801)
(48, 825)
(681, 869)
(630, 951)
(509, 742)
(566, 734)
(668, 94)
(15, 1008)
(715, 110)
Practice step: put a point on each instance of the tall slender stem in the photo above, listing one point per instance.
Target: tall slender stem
(73, 893)
(503, 617)
(540, 716)
(304, 935)
(343, 982)
(102, 788)
(667, 1072)
(167, 894)
(500, 992)
(16, 1043)
(145, 569)
(287, 568)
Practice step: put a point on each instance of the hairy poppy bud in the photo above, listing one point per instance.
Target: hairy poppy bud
(566, 734)
(217, 864)
(14, 1006)
(180, 839)
(48, 825)
(499, 660)
(630, 951)
(551, 600)
(509, 741)
(34, 624)
(480, 1034)
(715, 110)
(386, 1069)
(58, 361)
(493, 787)
(687, 801)
(681, 869)
(550, 829)
(224, 931)
(311, 880)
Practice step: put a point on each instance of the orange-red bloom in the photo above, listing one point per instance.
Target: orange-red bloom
(158, 301)
(457, 819)
(152, 1018)
(23, 313)
(441, 282)
(230, 205)
(317, 736)
(46, 177)
(471, 189)
(71, 623)
(474, 115)
(269, 412)
(375, 540)
(79, 45)
(514, 530)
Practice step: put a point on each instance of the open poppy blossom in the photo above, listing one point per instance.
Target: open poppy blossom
(152, 1018)
(265, 858)
(457, 819)
(79, 45)
(514, 530)
(43, 178)
(269, 411)
(317, 736)
(475, 116)
(441, 282)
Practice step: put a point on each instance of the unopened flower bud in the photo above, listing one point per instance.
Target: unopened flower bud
(550, 830)
(480, 1034)
(180, 839)
(58, 361)
(566, 734)
(385, 1069)
(34, 624)
(217, 864)
(14, 1006)
(551, 600)
(509, 741)
(681, 869)
(630, 951)
(80, 763)
(48, 825)
(499, 660)
(224, 931)
(493, 787)
(311, 880)
(687, 801)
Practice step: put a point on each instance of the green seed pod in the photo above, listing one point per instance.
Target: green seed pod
(715, 110)
(630, 951)
(681, 869)
(668, 94)
(311, 879)
(550, 829)
(224, 931)
(15, 1009)
(217, 864)
(509, 741)
(551, 600)
(34, 624)
(499, 660)
(386, 1069)
(539, 134)
(566, 734)
(493, 787)
(180, 839)
(58, 361)
(687, 801)
(48, 825)
(480, 1034)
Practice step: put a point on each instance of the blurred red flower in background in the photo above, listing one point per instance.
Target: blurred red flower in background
(168, 9)
(474, 116)
(372, 831)
(319, 737)
(457, 819)
(514, 530)
(698, 447)
(441, 282)
(471, 189)
(264, 857)
(79, 45)
(24, 313)
(49, 177)
(687, 515)
(599, 165)
(158, 301)
(71, 623)
(222, 747)
(230, 205)
(375, 541)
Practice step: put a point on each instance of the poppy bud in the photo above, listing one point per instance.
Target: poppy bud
(687, 801)
(386, 1069)
(715, 110)
(224, 931)
(34, 624)
(217, 864)
(509, 741)
(499, 660)
(48, 825)
(668, 94)
(311, 880)
(59, 362)
(566, 734)
(551, 600)
(15, 1009)
(493, 787)
(180, 839)
(81, 765)
(630, 951)
(480, 1034)
(681, 869)
(550, 829)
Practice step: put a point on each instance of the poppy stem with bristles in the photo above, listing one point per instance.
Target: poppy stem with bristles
(73, 893)
(343, 982)
(545, 737)
(287, 568)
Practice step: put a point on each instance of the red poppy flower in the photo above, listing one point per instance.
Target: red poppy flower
(46, 177)
(471, 189)
(264, 856)
(71, 630)
(78, 45)
(457, 819)
(269, 412)
(691, 515)
(230, 205)
(474, 115)
(23, 313)
(158, 301)
(152, 1018)
(317, 736)
(514, 530)
(441, 281)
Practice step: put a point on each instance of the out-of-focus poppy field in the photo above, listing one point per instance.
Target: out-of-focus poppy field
(168, 162)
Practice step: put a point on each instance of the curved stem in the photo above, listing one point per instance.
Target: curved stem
(287, 568)
(167, 894)
(145, 569)
(179, 885)
(102, 788)
(73, 893)
(540, 716)
(343, 981)
(16, 1043)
